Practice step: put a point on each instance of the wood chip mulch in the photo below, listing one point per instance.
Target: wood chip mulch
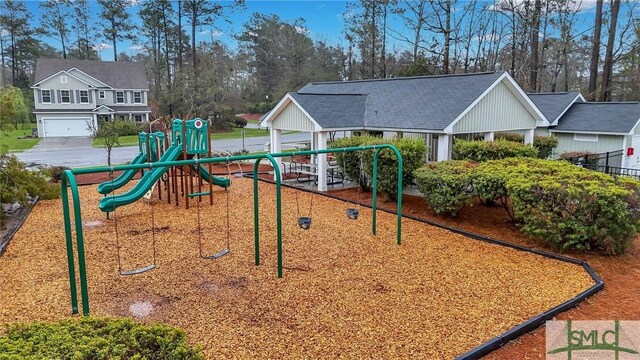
(345, 293)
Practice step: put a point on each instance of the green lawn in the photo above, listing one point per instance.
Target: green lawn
(234, 134)
(9, 139)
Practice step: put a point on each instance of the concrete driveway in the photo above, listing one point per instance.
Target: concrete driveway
(62, 143)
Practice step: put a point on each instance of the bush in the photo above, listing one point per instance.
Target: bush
(54, 172)
(491, 150)
(573, 208)
(515, 137)
(545, 145)
(240, 122)
(569, 207)
(412, 151)
(93, 338)
(446, 186)
(18, 184)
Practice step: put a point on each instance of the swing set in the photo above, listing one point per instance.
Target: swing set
(154, 170)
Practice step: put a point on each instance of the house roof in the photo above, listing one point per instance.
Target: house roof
(116, 74)
(606, 117)
(552, 105)
(334, 110)
(424, 102)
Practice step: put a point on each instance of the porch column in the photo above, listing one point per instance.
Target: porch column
(276, 146)
(489, 136)
(314, 145)
(528, 136)
(322, 162)
(111, 116)
(444, 142)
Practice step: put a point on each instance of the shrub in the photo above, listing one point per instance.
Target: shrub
(446, 186)
(545, 145)
(54, 172)
(240, 122)
(17, 183)
(509, 136)
(93, 338)
(491, 150)
(570, 207)
(349, 162)
(261, 107)
(412, 151)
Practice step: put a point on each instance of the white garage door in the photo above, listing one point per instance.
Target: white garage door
(57, 127)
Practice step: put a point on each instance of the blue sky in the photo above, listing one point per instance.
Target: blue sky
(324, 19)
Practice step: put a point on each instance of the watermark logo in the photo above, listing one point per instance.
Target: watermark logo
(573, 340)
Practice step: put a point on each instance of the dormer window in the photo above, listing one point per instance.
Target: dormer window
(63, 79)
(137, 97)
(102, 94)
(65, 96)
(120, 97)
(46, 96)
(84, 96)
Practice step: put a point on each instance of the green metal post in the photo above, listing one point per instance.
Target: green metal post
(82, 268)
(69, 242)
(276, 171)
(400, 187)
(374, 200)
(256, 221)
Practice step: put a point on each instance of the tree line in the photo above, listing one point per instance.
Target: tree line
(547, 45)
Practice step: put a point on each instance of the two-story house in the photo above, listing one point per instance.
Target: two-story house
(70, 94)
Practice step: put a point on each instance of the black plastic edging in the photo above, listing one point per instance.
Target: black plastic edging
(8, 236)
(521, 329)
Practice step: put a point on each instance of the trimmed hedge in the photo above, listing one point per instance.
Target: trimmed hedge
(446, 185)
(95, 338)
(544, 144)
(412, 150)
(569, 207)
(491, 150)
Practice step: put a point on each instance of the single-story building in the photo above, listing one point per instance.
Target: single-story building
(601, 128)
(436, 108)
(553, 106)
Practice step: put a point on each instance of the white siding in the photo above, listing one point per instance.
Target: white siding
(499, 110)
(292, 118)
(605, 143)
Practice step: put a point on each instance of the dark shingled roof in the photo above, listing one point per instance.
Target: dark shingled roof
(334, 111)
(425, 102)
(117, 74)
(553, 104)
(600, 117)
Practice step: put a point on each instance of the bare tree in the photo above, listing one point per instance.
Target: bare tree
(595, 53)
(605, 90)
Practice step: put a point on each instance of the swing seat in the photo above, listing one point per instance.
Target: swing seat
(353, 213)
(139, 270)
(304, 223)
(217, 255)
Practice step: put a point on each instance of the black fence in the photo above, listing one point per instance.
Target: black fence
(609, 163)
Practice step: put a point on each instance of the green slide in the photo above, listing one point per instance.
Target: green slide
(110, 203)
(124, 177)
(220, 181)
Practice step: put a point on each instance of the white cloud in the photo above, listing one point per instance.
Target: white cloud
(4, 32)
(579, 5)
(101, 46)
(132, 3)
(321, 7)
(136, 48)
(214, 33)
(302, 30)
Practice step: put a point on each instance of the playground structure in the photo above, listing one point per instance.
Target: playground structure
(190, 139)
(194, 142)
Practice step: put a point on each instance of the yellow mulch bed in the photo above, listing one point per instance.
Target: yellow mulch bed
(344, 293)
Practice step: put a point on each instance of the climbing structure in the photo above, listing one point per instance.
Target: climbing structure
(190, 139)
